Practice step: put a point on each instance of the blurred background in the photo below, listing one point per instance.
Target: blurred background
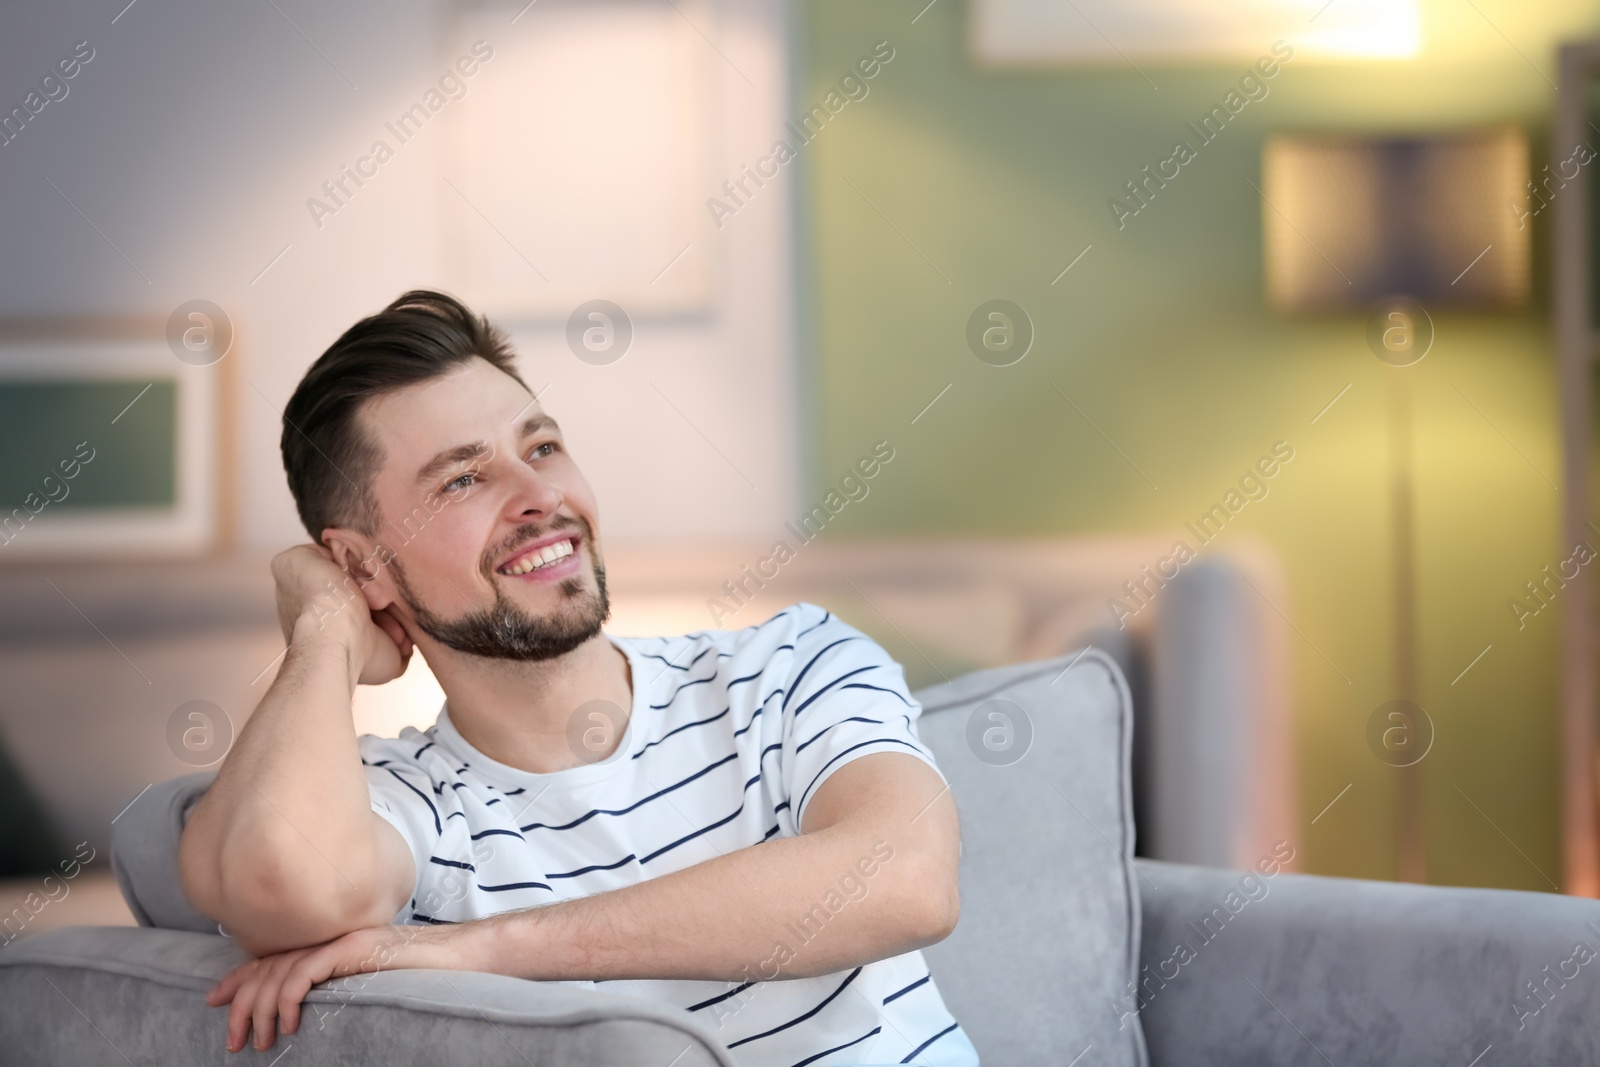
(1305, 288)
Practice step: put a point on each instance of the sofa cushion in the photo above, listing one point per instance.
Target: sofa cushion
(1037, 756)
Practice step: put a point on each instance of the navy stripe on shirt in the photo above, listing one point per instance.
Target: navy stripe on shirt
(836, 1048)
(741, 731)
(707, 829)
(720, 997)
(801, 676)
(753, 677)
(674, 666)
(825, 729)
(703, 722)
(437, 825)
(797, 1020)
(902, 992)
(918, 1050)
(690, 837)
(826, 615)
(805, 703)
(593, 867)
(680, 729)
(631, 807)
(892, 692)
(490, 833)
(686, 685)
(512, 885)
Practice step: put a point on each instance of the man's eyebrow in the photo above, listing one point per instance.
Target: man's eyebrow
(448, 459)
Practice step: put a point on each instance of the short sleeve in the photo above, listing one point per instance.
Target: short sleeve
(847, 699)
(401, 794)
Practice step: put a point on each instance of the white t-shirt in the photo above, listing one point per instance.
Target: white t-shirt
(730, 734)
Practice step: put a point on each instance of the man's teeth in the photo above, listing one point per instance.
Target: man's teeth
(542, 558)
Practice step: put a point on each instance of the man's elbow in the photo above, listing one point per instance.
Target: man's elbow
(940, 911)
(931, 906)
(287, 907)
(932, 883)
(272, 900)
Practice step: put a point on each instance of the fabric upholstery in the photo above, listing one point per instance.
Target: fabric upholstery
(86, 996)
(1334, 970)
(1217, 772)
(1049, 912)
(144, 854)
(1198, 733)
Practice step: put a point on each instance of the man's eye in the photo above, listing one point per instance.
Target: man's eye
(547, 444)
(461, 483)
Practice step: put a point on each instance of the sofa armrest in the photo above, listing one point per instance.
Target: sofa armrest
(1295, 969)
(88, 995)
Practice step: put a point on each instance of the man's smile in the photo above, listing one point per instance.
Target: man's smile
(551, 557)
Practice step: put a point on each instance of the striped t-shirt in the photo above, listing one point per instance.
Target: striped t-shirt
(730, 734)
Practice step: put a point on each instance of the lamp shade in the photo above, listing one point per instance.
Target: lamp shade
(1442, 219)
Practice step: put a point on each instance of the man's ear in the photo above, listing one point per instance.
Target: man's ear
(365, 561)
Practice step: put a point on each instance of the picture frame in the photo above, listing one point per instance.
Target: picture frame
(111, 446)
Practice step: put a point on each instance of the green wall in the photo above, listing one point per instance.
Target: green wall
(949, 185)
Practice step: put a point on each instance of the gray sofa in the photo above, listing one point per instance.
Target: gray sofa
(1069, 951)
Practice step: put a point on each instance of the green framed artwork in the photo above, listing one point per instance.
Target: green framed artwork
(108, 449)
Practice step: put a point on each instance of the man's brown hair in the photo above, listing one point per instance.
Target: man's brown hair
(329, 461)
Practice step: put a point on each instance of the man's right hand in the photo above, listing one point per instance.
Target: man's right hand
(316, 594)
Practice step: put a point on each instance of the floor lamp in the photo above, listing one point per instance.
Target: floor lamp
(1349, 221)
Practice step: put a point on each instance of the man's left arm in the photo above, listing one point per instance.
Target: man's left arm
(872, 874)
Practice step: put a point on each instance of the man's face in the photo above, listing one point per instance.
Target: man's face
(494, 530)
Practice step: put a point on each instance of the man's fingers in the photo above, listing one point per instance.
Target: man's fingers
(228, 984)
(307, 972)
(391, 626)
(264, 1018)
(239, 1012)
(387, 624)
(396, 633)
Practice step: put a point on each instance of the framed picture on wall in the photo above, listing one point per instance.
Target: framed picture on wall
(109, 449)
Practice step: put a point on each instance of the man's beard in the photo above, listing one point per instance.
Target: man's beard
(506, 630)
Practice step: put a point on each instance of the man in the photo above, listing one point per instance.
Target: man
(742, 824)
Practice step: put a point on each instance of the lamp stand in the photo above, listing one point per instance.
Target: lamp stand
(1411, 839)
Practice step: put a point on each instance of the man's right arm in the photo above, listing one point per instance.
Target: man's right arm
(284, 849)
